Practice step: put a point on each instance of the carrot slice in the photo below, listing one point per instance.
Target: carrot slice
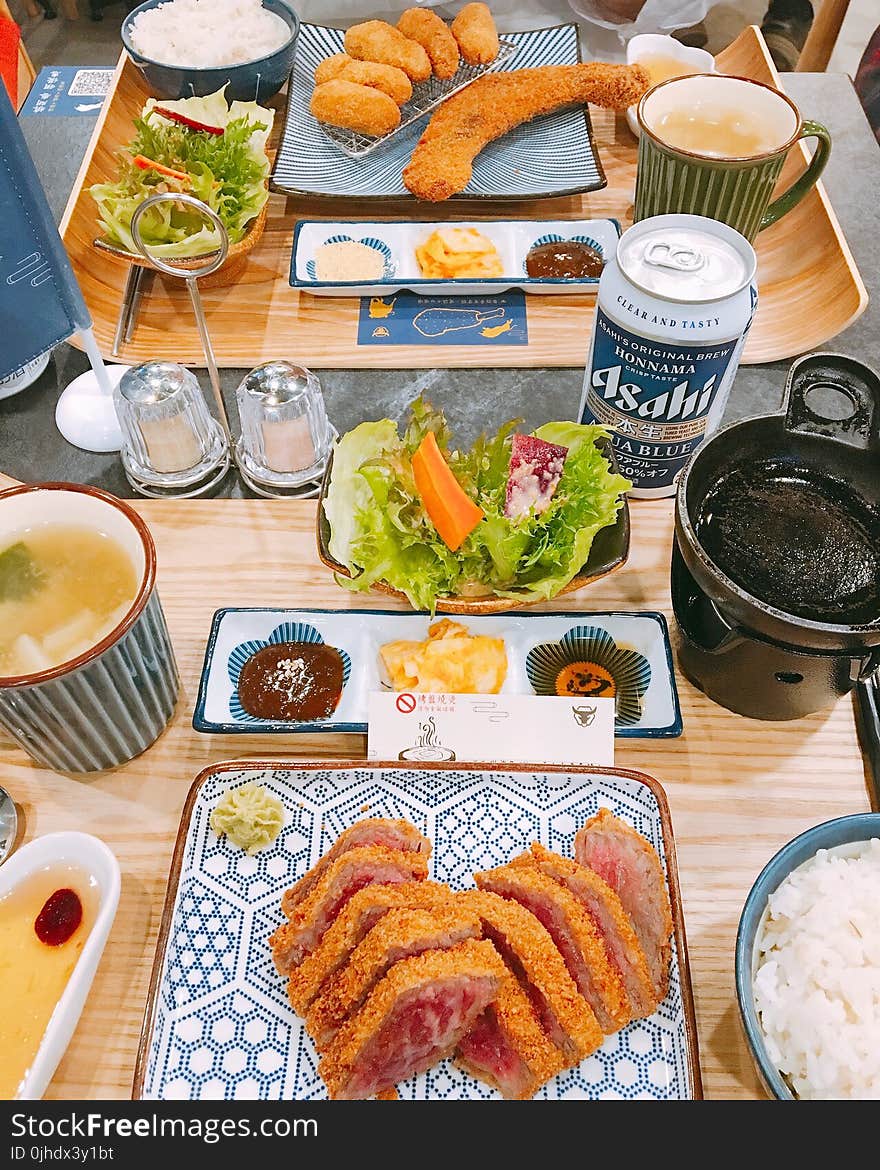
(147, 164)
(451, 510)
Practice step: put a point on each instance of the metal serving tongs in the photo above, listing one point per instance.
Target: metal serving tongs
(191, 276)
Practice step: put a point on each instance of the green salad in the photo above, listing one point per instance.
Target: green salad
(199, 146)
(534, 504)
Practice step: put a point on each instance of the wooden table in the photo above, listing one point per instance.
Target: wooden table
(738, 789)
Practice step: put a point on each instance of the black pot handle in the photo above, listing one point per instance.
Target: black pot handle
(850, 378)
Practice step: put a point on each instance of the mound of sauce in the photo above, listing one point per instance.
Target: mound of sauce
(292, 682)
(564, 259)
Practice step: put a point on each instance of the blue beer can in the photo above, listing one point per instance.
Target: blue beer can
(672, 314)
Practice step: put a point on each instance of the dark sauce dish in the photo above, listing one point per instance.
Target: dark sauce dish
(292, 682)
(564, 260)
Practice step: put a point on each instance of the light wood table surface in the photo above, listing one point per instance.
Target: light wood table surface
(738, 789)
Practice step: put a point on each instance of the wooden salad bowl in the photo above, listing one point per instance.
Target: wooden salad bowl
(609, 552)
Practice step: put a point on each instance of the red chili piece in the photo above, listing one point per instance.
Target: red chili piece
(59, 918)
(191, 123)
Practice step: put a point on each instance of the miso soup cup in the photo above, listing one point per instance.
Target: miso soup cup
(110, 703)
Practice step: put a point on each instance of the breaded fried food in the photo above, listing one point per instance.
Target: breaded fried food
(374, 40)
(392, 81)
(474, 29)
(495, 104)
(426, 27)
(331, 67)
(355, 107)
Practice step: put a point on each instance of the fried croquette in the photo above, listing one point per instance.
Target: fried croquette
(390, 80)
(355, 107)
(434, 36)
(474, 29)
(493, 105)
(374, 40)
(331, 67)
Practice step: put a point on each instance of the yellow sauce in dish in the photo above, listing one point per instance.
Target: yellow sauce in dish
(33, 975)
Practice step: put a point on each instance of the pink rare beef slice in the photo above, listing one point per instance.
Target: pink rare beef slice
(535, 471)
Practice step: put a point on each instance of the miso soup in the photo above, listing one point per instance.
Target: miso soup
(63, 588)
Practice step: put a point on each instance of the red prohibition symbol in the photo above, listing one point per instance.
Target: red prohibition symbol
(406, 703)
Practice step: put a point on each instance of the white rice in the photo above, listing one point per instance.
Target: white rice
(208, 34)
(817, 985)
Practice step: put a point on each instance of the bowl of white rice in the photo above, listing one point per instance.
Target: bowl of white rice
(190, 48)
(808, 964)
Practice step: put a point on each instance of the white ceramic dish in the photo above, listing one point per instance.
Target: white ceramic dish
(657, 45)
(633, 646)
(396, 242)
(92, 857)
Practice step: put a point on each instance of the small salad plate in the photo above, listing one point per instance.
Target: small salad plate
(218, 1022)
(53, 862)
(626, 656)
(395, 243)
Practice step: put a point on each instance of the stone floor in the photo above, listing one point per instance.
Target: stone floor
(84, 42)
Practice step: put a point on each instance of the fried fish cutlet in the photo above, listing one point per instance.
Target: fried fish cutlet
(355, 107)
(493, 105)
(414, 1017)
(474, 29)
(387, 78)
(426, 28)
(375, 40)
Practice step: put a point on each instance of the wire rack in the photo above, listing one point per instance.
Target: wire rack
(427, 95)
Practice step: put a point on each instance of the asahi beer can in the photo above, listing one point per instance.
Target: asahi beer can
(673, 310)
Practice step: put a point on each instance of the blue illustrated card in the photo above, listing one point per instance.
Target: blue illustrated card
(406, 318)
(62, 90)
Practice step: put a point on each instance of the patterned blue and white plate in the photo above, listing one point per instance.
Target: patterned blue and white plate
(554, 155)
(219, 1024)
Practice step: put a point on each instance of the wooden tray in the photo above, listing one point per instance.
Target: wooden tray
(809, 284)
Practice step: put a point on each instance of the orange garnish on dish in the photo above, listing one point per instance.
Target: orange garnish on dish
(585, 678)
(453, 513)
(147, 164)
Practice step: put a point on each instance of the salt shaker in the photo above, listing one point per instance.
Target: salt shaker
(285, 433)
(171, 444)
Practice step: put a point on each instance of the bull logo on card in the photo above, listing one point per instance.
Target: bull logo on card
(584, 716)
(428, 748)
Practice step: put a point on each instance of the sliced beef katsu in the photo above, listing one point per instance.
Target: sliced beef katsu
(609, 918)
(572, 931)
(507, 1048)
(399, 934)
(534, 959)
(400, 835)
(414, 1017)
(358, 916)
(631, 867)
(349, 873)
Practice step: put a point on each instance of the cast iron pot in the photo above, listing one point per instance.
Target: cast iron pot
(798, 494)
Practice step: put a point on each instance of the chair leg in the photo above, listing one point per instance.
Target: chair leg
(822, 37)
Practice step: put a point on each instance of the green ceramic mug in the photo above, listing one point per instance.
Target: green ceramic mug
(737, 133)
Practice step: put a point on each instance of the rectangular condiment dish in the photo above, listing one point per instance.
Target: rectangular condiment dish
(396, 241)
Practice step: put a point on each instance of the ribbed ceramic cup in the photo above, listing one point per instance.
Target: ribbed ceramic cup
(109, 704)
(736, 191)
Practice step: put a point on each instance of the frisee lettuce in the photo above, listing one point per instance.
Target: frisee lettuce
(381, 532)
(228, 172)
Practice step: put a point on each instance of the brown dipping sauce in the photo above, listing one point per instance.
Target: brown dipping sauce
(564, 258)
(292, 681)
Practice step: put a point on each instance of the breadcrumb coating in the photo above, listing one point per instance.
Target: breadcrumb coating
(374, 40)
(426, 27)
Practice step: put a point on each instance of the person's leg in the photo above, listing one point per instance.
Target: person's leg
(785, 29)
(867, 82)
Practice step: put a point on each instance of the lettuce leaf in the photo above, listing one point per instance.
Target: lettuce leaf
(381, 532)
(228, 172)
